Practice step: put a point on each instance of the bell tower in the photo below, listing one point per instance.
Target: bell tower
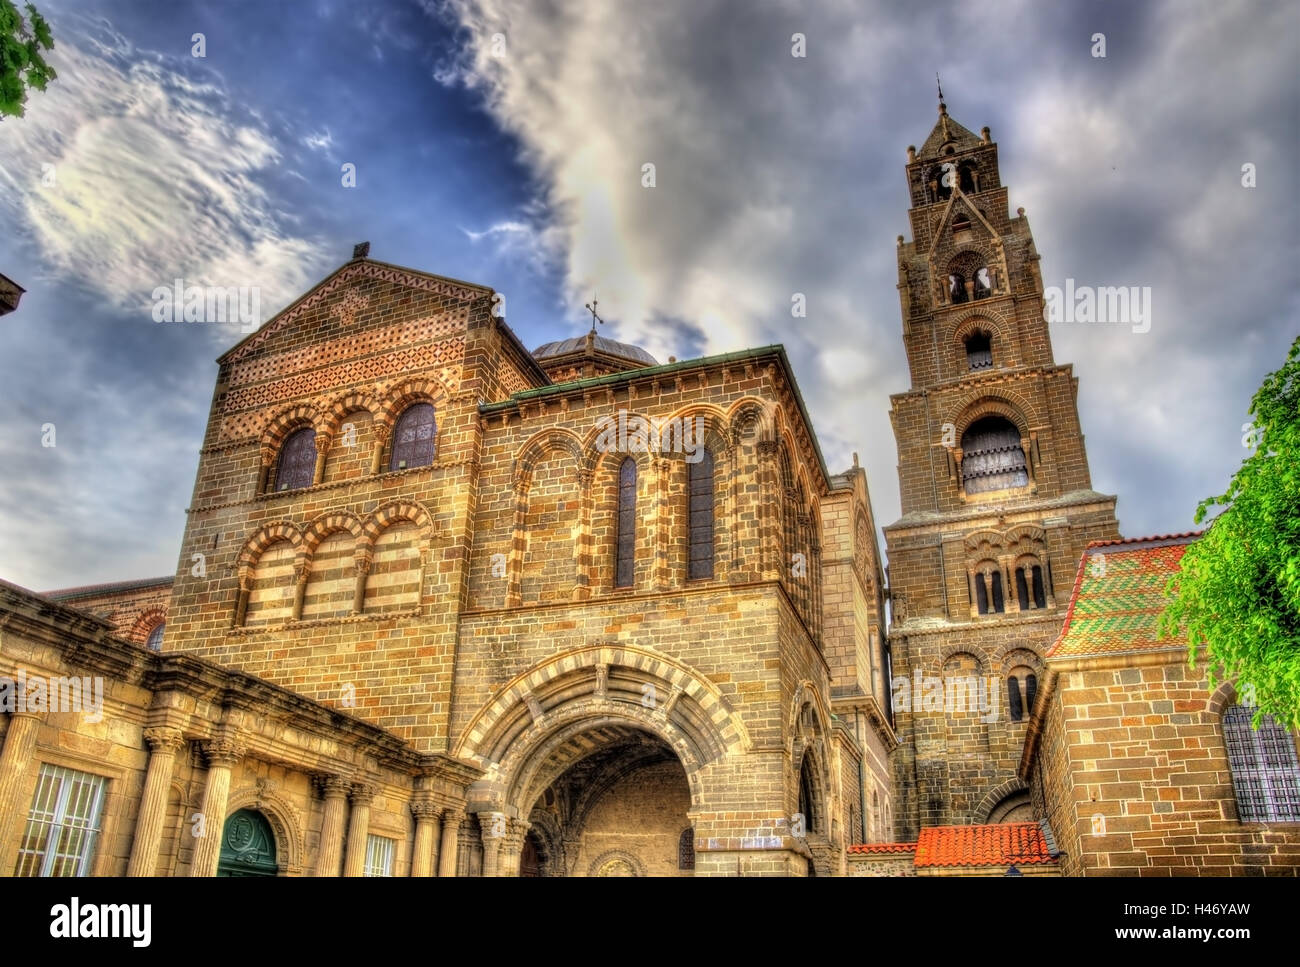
(997, 498)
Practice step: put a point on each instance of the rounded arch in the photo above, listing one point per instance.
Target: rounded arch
(616, 862)
(594, 453)
(285, 422)
(750, 415)
(402, 395)
(978, 654)
(327, 524)
(145, 622)
(538, 447)
(340, 409)
(992, 402)
(268, 534)
(681, 706)
(996, 796)
(398, 510)
(991, 325)
(1013, 653)
(984, 540)
(1218, 701)
(285, 820)
(1029, 533)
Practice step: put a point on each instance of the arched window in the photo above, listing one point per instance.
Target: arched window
(1031, 691)
(969, 177)
(806, 805)
(1265, 773)
(413, 438)
(988, 589)
(686, 849)
(625, 541)
(1030, 591)
(992, 458)
(979, 351)
(154, 641)
(939, 191)
(956, 288)
(296, 467)
(983, 283)
(1013, 698)
(700, 508)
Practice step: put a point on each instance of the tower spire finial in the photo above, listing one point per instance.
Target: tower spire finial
(943, 108)
(591, 307)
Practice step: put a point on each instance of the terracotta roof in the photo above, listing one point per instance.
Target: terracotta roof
(89, 590)
(1119, 592)
(998, 844)
(876, 848)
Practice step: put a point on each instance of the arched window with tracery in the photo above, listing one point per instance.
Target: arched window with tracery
(699, 488)
(992, 457)
(1265, 771)
(414, 437)
(155, 639)
(625, 537)
(296, 466)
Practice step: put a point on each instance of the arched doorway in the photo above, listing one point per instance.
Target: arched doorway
(608, 800)
(247, 846)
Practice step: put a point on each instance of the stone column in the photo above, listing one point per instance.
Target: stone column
(222, 754)
(322, 448)
(300, 575)
(381, 437)
(20, 742)
(426, 837)
(354, 860)
(512, 847)
(163, 743)
(359, 591)
(335, 791)
(493, 827)
(450, 834)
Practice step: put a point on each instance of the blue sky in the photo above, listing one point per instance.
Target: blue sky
(517, 164)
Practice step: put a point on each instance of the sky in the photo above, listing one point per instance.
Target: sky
(504, 142)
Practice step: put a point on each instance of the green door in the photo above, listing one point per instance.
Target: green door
(247, 846)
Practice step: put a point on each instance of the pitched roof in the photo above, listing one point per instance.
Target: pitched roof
(995, 844)
(1119, 592)
(116, 587)
(946, 131)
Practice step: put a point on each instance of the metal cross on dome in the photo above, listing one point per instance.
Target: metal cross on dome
(591, 307)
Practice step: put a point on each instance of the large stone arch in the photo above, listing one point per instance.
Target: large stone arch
(340, 409)
(327, 524)
(540, 445)
(264, 537)
(993, 401)
(1009, 789)
(285, 821)
(545, 705)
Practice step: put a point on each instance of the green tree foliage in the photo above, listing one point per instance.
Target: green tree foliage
(1237, 596)
(21, 63)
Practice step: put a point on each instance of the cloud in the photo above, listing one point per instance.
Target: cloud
(156, 175)
(777, 175)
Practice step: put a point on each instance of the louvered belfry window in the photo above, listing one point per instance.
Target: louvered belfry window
(700, 491)
(992, 458)
(625, 543)
(297, 465)
(413, 438)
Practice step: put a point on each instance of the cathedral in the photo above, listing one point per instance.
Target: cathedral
(447, 607)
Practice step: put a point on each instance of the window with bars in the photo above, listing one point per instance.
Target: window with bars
(992, 458)
(1265, 772)
(297, 464)
(700, 496)
(154, 641)
(686, 850)
(625, 541)
(414, 437)
(63, 824)
(379, 856)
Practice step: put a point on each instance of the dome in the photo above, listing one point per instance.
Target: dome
(578, 344)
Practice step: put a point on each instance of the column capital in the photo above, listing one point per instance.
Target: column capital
(363, 793)
(164, 739)
(425, 809)
(225, 751)
(332, 785)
